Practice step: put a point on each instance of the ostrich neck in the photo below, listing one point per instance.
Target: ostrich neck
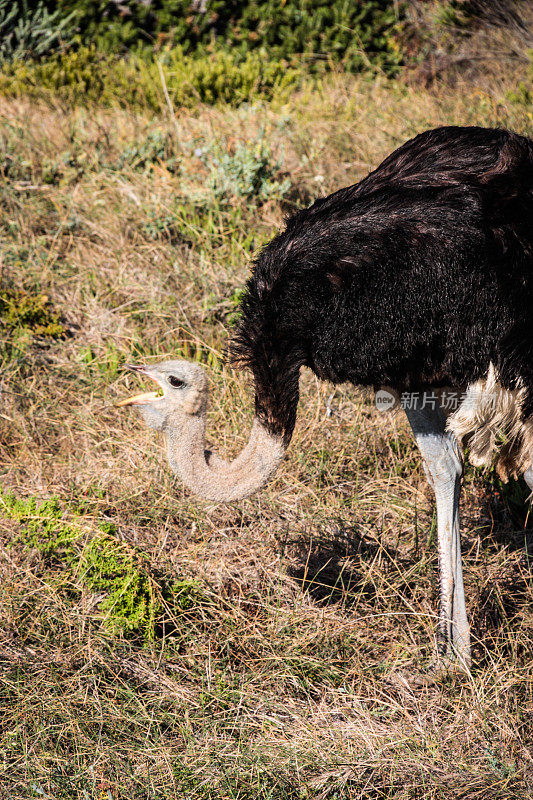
(209, 475)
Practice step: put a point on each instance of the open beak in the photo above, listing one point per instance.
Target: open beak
(139, 399)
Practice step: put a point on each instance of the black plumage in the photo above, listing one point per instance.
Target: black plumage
(418, 276)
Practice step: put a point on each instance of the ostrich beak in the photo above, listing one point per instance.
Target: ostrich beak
(139, 399)
(136, 367)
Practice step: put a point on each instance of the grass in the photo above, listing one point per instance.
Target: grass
(154, 646)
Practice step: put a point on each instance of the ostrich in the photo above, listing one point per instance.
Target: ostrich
(418, 278)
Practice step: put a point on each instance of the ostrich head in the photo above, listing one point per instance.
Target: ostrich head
(183, 392)
(178, 410)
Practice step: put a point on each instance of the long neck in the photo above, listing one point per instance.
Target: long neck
(210, 476)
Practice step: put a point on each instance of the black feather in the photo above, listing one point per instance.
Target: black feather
(420, 275)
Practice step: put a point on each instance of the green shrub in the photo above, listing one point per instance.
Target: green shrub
(32, 312)
(24, 317)
(14, 166)
(82, 76)
(87, 76)
(248, 172)
(158, 147)
(338, 30)
(104, 23)
(31, 30)
(132, 599)
(68, 76)
(226, 77)
(232, 53)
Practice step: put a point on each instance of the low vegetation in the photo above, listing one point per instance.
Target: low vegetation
(87, 76)
(153, 646)
(315, 29)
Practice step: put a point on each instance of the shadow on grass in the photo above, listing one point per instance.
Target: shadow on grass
(333, 567)
(502, 590)
(507, 515)
(342, 564)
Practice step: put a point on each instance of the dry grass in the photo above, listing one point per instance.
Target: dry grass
(288, 672)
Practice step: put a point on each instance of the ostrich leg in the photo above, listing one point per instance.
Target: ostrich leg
(444, 467)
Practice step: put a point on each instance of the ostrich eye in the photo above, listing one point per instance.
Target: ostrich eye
(177, 383)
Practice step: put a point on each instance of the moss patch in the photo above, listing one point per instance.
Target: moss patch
(133, 600)
(30, 312)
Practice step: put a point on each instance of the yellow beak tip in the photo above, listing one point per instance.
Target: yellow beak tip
(137, 400)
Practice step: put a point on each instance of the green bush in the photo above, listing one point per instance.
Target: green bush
(156, 148)
(249, 172)
(105, 24)
(88, 76)
(14, 165)
(232, 53)
(70, 76)
(32, 312)
(131, 599)
(31, 29)
(24, 319)
(224, 77)
(338, 30)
